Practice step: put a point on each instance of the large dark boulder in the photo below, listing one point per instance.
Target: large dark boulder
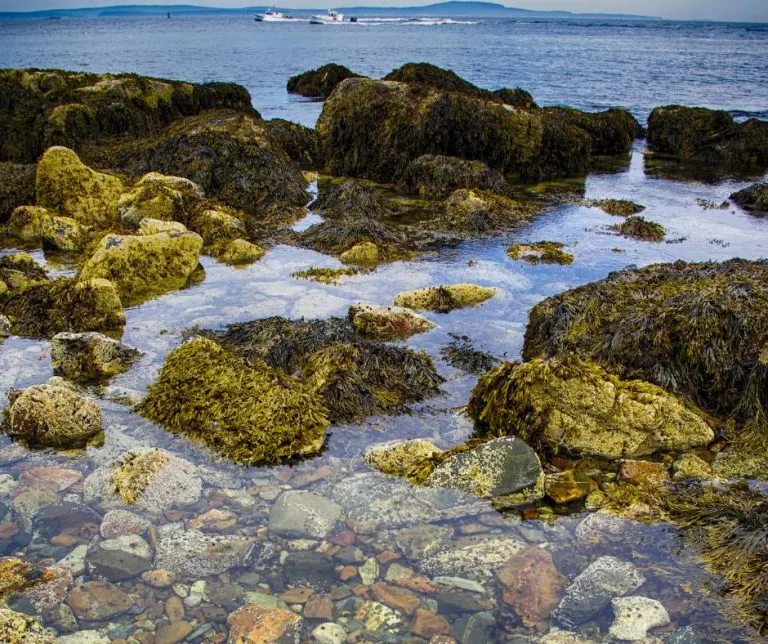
(709, 137)
(432, 76)
(611, 132)
(42, 108)
(517, 97)
(753, 198)
(320, 82)
(374, 129)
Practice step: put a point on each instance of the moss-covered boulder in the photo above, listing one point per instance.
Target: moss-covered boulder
(19, 271)
(611, 132)
(433, 76)
(387, 322)
(709, 137)
(18, 628)
(53, 107)
(158, 196)
(436, 176)
(55, 306)
(353, 199)
(320, 82)
(83, 357)
(754, 198)
(246, 410)
(516, 97)
(571, 406)
(641, 228)
(38, 224)
(17, 187)
(217, 227)
(543, 252)
(480, 212)
(617, 207)
(67, 186)
(52, 415)
(148, 226)
(397, 458)
(374, 129)
(365, 254)
(144, 266)
(444, 298)
(695, 329)
(230, 155)
(240, 252)
(301, 143)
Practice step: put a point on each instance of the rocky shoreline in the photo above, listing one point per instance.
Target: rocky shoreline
(209, 509)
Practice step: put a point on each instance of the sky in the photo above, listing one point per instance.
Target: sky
(746, 10)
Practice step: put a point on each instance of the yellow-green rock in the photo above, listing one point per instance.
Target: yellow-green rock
(387, 322)
(148, 226)
(19, 271)
(17, 628)
(398, 457)
(144, 266)
(38, 224)
(158, 196)
(241, 251)
(69, 187)
(445, 298)
(543, 252)
(216, 226)
(363, 254)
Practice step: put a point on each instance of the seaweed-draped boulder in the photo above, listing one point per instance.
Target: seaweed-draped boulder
(38, 224)
(436, 176)
(320, 82)
(695, 329)
(82, 357)
(244, 409)
(17, 187)
(516, 97)
(571, 406)
(433, 76)
(611, 132)
(374, 129)
(753, 198)
(157, 196)
(709, 137)
(301, 143)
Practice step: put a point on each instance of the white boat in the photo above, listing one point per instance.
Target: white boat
(271, 15)
(333, 17)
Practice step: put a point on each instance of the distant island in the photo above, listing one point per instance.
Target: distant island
(453, 9)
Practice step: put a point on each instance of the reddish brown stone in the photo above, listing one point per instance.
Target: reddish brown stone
(343, 538)
(310, 476)
(533, 585)
(347, 573)
(297, 595)
(8, 529)
(427, 624)
(98, 600)
(253, 623)
(396, 597)
(387, 557)
(639, 472)
(319, 607)
(564, 488)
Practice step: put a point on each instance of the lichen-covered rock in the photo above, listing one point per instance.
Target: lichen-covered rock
(17, 187)
(53, 416)
(248, 411)
(576, 407)
(543, 252)
(88, 356)
(641, 228)
(38, 224)
(693, 329)
(481, 212)
(611, 132)
(398, 457)
(364, 254)
(18, 628)
(754, 198)
(445, 298)
(386, 322)
(320, 82)
(56, 306)
(709, 137)
(67, 186)
(144, 266)
(300, 142)
(374, 129)
(435, 176)
(157, 196)
(254, 623)
(635, 616)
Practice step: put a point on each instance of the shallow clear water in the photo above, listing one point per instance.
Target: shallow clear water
(587, 66)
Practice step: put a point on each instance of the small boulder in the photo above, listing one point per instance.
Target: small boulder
(144, 266)
(532, 586)
(119, 523)
(52, 415)
(98, 600)
(66, 185)
(398, 457)
(303, 515)
(445, 298)
(240, 252)
(191, 554)
(161, 197)
(754, 198)
(254, 623)
(88, 356)
(386, 322)
(364, 254)
(435, 176)
(635, 616)
(148, 226)
(320, 82)
(121, 558)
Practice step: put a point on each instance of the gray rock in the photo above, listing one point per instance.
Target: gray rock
(602, 527)
(84, 637)
(118, 523)
(635, 616)
(603, 580)
(505, 470)
(88, 356)
(313, 569)
(329, 633)
(120, 559)
(478, 557)
(479, 628)
(74, 562)
(684, 635)
(420, 541)
(300, 515)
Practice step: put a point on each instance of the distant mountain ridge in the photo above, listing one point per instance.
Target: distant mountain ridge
(451, 9)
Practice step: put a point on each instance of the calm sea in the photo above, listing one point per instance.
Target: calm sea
(586, 64)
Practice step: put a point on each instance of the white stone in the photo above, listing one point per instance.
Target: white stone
(635, 616)
(74, 562)
(329, 633)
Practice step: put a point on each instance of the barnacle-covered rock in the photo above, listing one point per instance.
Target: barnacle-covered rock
(445, 298)
(387, 322)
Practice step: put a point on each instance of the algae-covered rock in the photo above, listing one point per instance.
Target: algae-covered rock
(435, 176)
(618, 207)
(352, 198)
(149, 226)
(144, 266)
(16, 575)
(88, 356)
(18, 628)
(641, 228)
(709, 137)
(398, 457)
(754, 198)
(19, 271)
(300, 142)
(611, 132)
(158, 196)
(387, 322)
(38, 224)
(516, 97)
(239, 252)
(53, 416)
(480, 212)
(693, 329)
(246, 410)
(433, 76)
(320, 82)
(217, 227)
(66, 185)
(543, 252)
(17, 187)
(52, 307)
(363, 254)
(325, 275)
(567, 405)
(444, 298)
(375, 129)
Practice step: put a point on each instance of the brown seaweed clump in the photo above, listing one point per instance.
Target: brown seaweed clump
(462, 354)
(543, 252)
(753, 198)
(435, 176)
(641, 228)
(325, 275)
(320, 82)
(618, 207)
(699, 330)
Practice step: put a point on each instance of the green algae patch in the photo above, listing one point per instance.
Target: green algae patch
(243, 409)
(543, 252)
(136, 472)
(320, 82)
(462, 354)
(641, 228)
(444, 299)
(56, 306)
(387, 323)
(571, 406)
(617, 207)
(144, 266)
(325, 275)
(66, 185)
(363, 254)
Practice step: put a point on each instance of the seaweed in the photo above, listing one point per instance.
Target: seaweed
(461, 354)
(618, 207)
(444, 299)
(325, 275)
(641, 228)
(435, 176)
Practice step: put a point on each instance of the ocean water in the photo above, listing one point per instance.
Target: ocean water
(589, 65)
